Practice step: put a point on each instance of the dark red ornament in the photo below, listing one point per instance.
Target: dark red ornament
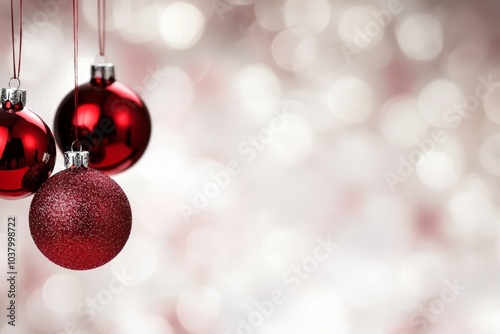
(112, 121)
(80, 218)
(27, 147)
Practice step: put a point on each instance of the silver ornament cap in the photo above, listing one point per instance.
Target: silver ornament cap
(102, 74)
(76, 159)
(13, 98)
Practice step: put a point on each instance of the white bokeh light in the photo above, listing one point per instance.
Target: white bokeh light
(491, 106)
(271, 14)
(438, 102)
(181, 25)
(199, 186)
(489, 154)
(163, 163)
(403, 124)
(292, 145)
(439, 169)
(350, 155)
(38, 62)
(422, 274)
(393, 214)
(123, 12)
(420, 37)
(439, 160)
(169, 92)
(152, 324)
(359, 28)
(198, 309)
(325, 313)
(351, 100)
(292, 52)
(256, 90)
(367, 284)
(143, 24)
(307, 18)
(281, 248)
(240, 2)
(471, 206)
(289, 143)
(210, 248)
(40, 316)
(133, 261)
(63, 293)
(485, 319)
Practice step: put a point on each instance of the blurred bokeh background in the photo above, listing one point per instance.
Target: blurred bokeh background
(319, 166)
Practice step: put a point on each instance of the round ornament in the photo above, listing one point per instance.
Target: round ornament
(27, 147)
(80, 218)
(112, 122)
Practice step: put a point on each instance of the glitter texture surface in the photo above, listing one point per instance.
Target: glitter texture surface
(80, 219)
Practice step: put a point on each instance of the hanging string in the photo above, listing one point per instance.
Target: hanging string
(75, 63)
(101, 25)
(16, 70)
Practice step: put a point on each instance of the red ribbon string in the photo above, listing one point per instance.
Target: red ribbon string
(101, 25)
(17, 70)
(75, 56)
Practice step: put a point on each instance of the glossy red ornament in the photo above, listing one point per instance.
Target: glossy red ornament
(80, 218)
(112, 120)
(27, 147)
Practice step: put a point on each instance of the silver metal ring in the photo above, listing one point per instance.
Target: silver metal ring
(18, 82)
(73, 143)
(99, 59)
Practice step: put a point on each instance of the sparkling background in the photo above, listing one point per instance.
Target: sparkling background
(282, 127)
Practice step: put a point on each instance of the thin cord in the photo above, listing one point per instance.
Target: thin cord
(17, 70)
(75, 60)
(101, 25)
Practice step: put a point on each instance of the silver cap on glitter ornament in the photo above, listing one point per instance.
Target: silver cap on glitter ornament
(76, 159)
(102, 74)
(13, 99)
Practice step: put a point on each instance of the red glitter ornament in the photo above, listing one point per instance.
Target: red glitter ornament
(112, 122)
(27, 147)
(80, 218)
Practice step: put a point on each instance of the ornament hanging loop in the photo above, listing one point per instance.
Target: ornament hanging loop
(100, 59)
(79, 144)
(15, 79)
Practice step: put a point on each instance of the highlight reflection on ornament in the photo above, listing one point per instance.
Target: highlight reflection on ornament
(27, 147)
(112, 121)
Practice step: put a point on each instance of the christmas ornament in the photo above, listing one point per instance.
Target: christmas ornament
(27, 147)
(111, 120)
(80, 218)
